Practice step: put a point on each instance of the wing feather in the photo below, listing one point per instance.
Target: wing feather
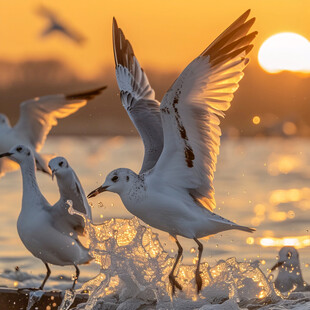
(191, 108)
(39, 115)
(138, 98)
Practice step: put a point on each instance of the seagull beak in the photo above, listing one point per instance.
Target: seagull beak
(278, 264)
(6, 154)
(97, 191)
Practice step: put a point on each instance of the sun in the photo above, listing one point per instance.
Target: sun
(286, 51)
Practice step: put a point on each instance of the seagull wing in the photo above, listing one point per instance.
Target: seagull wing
(138, 98)
(191, 108)
(39, 115)
(80, 203)
(72, 34)
(79, 196)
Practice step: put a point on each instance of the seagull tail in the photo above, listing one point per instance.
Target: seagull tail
(245, 228)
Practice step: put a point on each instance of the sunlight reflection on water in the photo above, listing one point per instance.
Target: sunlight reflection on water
(251, 187)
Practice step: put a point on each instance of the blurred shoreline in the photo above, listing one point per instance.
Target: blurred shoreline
(265, 105)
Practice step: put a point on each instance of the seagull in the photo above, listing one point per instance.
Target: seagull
(37, 117)
(174, 190)
(70, 188)
(57, 26)
(38, 222)
(289, 277)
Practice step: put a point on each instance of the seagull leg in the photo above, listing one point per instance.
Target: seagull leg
(48, 273)
(76, 276)
(197, 274)
(174, 283)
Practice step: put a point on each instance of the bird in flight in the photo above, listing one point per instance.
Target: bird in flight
(174, 189)
(37, 117)
(56, 25)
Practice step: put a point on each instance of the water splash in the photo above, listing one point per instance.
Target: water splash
(34, 297)
(134, 268)
(67, 300)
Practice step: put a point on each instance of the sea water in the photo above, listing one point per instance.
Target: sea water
(262, 183)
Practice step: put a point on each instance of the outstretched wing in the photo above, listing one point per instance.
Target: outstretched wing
(138, 98)
(191, 108)
(39, 115)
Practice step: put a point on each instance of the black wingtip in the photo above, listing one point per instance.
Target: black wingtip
(86, 95)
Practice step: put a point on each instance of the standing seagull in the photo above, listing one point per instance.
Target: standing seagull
(70, 188)
(58, 26)
(38, 222)
(37, 117)
(289, 276)
(174, 189)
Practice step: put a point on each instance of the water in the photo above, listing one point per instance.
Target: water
(259, 182)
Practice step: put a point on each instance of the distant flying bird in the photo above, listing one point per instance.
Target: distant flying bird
(58, 26)
(37, 117)
(289, 276)
(70, 188)
(174, 190)
(44, 229)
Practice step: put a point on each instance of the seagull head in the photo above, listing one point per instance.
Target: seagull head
(288, 259)
(59, 166)
(18, 153)
(4, 121)
(117, 181)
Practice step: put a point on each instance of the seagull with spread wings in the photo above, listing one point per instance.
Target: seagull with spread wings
(174, 190)
(56, 25)
(37, 117)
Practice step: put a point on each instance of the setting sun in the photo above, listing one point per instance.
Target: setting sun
(285, 51)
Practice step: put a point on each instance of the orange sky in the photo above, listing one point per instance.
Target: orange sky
(164, 33)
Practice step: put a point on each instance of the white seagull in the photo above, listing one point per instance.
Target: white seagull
(37, 117)
(174, 190)
(289, 276)
(70, 188)
(39, 222)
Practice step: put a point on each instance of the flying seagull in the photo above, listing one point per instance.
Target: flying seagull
(44, 229)
(37, 117)
(56, 25)
(174, 190)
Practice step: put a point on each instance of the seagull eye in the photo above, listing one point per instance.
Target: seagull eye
(114, 179)
(61, 164)
(289, 254)
(19, 149)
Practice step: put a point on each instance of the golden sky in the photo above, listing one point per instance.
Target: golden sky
(164, 33)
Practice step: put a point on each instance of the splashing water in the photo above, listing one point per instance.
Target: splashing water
(135, 267)
(34, 297)
(67, 300)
